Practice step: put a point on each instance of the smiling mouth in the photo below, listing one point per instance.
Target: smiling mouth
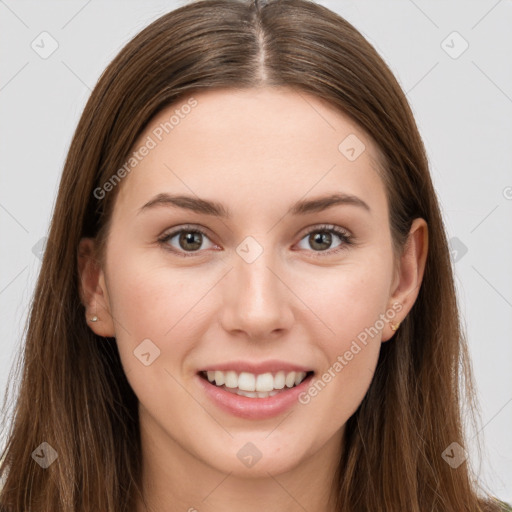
(255, 385)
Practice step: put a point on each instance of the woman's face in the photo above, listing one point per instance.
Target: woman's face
(269, 288)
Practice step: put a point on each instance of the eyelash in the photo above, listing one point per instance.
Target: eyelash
(347, 239)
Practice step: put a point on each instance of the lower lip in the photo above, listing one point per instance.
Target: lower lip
(254, 408)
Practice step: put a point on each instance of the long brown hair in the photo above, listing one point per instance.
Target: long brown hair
(73, 393)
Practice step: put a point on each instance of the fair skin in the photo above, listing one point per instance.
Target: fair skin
(257, 152)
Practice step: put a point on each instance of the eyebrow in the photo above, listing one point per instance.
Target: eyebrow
(206, 207)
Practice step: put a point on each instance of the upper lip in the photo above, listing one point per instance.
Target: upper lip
(257, 368)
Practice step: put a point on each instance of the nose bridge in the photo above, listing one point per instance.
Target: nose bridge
(257, 301)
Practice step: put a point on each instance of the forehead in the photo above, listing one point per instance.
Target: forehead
(260, 144)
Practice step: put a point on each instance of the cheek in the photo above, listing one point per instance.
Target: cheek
(148, 298)
(147, 303)
(154, 332)
(352, 303)
(348, 300)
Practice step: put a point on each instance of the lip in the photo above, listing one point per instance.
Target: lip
(269, 366)
(253, 408)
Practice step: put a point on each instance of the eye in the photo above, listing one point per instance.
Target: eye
(189, 240)
(320, 238)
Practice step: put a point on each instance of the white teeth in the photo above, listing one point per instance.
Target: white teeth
(230, 379)
(253, 394)
(279, 380)
(290, 379)
(249, 384)
(250, 394)
(265, 382)
(218, 377)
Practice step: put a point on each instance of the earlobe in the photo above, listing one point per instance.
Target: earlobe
(392, 325)
(410, 274)
(93, 290)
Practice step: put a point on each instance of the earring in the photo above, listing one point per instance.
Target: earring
(94, 318)
(395, 327)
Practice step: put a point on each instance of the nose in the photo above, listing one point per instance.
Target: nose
(257, 299)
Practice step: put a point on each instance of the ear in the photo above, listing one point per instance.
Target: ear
(93, 290)
(408, 278)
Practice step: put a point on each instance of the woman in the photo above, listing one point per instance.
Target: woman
(258, 367)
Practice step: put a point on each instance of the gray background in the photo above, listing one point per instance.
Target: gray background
(462, 103)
